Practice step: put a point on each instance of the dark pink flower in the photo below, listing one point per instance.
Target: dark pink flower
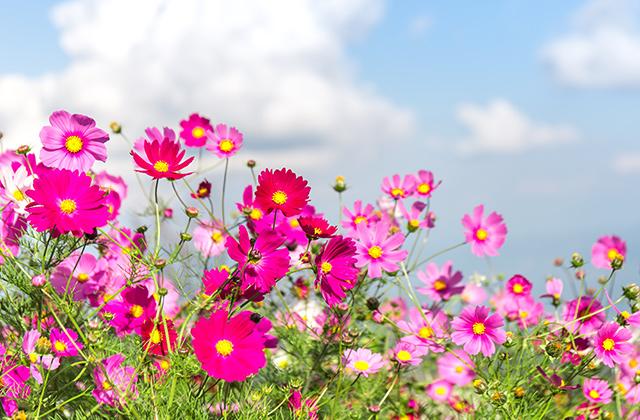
(115, 383)
(64, 343)
(336, 272)
(163, 159)
(194, 130)
(478, 331)
(378, 251)
(281, 190)
(440, 283)
(130, 310)
(518, 286)
(612, 343)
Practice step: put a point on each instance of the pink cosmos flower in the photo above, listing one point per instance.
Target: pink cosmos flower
(362, 361)
(64, 343)
(115, 383)
(209, 238)
(65, 201)
(525, 310)
(414, 217)
(194, 130)
(377, 251)
(394, 309)
(440, 283)
(439, 390)
(611, 343)
(12, 227)
(425, 184)
(281, 190)
(14, 383)
(224, 141)
(486, 235)
(31, 349)
(260, 264)
(108, 182)
(72, 142)
(130, 310)
(397, 188)
(15, 182)
(248, 207)
(295, 405)
(163, 160)
(597, 390)
(424, 329)
(407, 354)
(216, 281)
(473, 294)
(583, 314)
(477, 331)
(456, 367)
(336, 272)
(607, 249)
(360, 214)
(316, 227)
(518, 286)
(230, 349)
(554, 288)
(79, 275)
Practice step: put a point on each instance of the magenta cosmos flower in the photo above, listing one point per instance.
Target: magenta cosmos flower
(407, 354)
(32, 349)
(72, 142)
(130, 311)
(79, 275)
(518, 286)
(230, 349)
(399, 188)
(377, 251)
(439, 390)
(457, 367)
(486, 235)
(14, 383)
(65, 201)
(583, 314)
(440, 283)
(316, 227)
(64, 343)
(424, 329)
(209, 238)
(362, 361)
(194, 130)
(611, 343)
(425, 183)
(360, 214)
(607, 249)
(597, 390)
(260, 264)
(163, 160)
(477, 331)
(336, 271)
(224, 141)
(115, 383)
(281, 190)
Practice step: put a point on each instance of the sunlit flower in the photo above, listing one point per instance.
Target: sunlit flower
(224, 141)
(163, 160)
(407, 354)
(485, 234)
(64, 343)
(316, 227)
(607, 249)
(439, 390)
(281, 190)
(583, 314)
(377, 251)
(362, 361)
(477, 331)
(336, 271)
(597, 390)
(423, 329)
(194, 130)
(360, 214)
(611, 343)
(130, 310)
(158, 337)
(518, 286)
(456, 367)
(209, 238)
(425, 184)
(13, 383)
(115, 382)
(79, 275)
(440, 283)
(399, 188)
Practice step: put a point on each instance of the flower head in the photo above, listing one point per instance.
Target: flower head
(440, 283)
(224, 141)
(379, 251)
(399, 188)
(72, 142)
(611, 343)
(79, 275)
(456, 367)
(407, 354)
(336, 271)
(485, 234)
(281, 190)
(606, 250)
(360, 214)
(115, 383)
(64, 343)
(518, 286)
(316, 227)
(362, 361)
(583, 314)
(440, 390)
(425, 184)
(158, 337)
(209, 238)
(163, 160)
(597, 390)
(65, 201)
(477, 331)
(230, 349)
(194, 130)
(131, 310)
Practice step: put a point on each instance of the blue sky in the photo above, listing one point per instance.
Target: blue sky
(546, 62)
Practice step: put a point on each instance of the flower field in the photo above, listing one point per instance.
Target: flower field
(255, 304)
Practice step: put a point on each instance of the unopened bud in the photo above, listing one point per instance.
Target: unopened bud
(251, 163)
(185, 236)
(617, 262)
(38, 280)
(163, 291)
(631, 291)
(480, 386)
(373, 303)
(576, 260)
(340, 185)
(498, 398)
(160, 263)
(142, 229)
(115, 127)
(580, 274)
(603, 279)
(23, 150)
(558, 262)
(191, 212)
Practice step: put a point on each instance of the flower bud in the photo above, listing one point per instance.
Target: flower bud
(115, 127)
(617, 263)
(519, 392)
(580, 274)
(373, 303)
(163, 291)
(340, 185)
(168, 213)
(142, 229)
(255, 317)
(23, 150)
(108, 316)
(631, 291)
(498, 398)
(160, 263)
(191, 212)
(558, 262)
(38, 280)
(185, 236)
(576, 260)
(251, 163)
(480, 386)
(603, 280)
(374, 408)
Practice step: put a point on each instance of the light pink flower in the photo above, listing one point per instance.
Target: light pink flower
(477, 331)
(378, 251)
(611, 344)
(485, 234)
(440, 283)
(606, 249)
(362, 361)
(597, 390)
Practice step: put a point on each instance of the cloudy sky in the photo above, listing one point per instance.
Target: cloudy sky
(528, 107)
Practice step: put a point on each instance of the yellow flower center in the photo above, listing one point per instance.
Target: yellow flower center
(18, 195)
(633, 363)
(517, 288)
(403, 355)
(106, 385)
(317, 231)
(256, 214)
(459, 369)
(439, 285)
(164, 365)
(481, 234)
(279, 197)
(136, 311)
(625, 314)
(294, 223)
(524, 314)
(359, 220)
(73, 144)
(425, 332)
(424, 188)
(224, 347)
(361, 365)
(82, 277)
(594, 394)
(33, 357)
(155, 337)
(397, 192)
(203, 191)
(197, 132)
(479, 328)
(59, 346)
(217, 237)
(68, 206)
(326, 267)
(375, 252)
(613, 254)
(161, 166)
(226, 145)
(608, 344)
(440, 390)
(414, 223)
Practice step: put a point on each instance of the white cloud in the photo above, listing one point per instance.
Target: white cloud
(501, 128)
(602, 49)
(278, 70)
(627, 164)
